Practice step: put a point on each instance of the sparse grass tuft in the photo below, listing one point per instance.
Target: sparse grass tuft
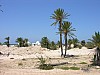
(45, 67)
(74, 68)
(64, 68)
(71, 68)
(83, 63)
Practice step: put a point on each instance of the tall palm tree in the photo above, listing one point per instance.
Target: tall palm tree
(7, 43)
(67, 31)
(59, 15)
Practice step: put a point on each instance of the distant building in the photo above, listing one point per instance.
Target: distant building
(37, 43)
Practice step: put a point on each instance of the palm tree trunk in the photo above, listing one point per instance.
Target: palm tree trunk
(61, 44)
(65, 44)
(60, 29)
(8, 43)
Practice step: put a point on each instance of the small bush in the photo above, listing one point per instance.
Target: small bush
(83, 63)
(45, 67)
(42, 60)
(79, 46)
(90, 45)
(74, 68)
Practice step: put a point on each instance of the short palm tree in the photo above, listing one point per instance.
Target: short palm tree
(67, 31)
(25, 42)
(59, 15)
(45, 42)
(75, 42)
(96, 40)
(20, 41)
(69, 43)
(7, 43)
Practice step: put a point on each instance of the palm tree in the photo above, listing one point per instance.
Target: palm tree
(59, 15)
(75, 41)
(67, 31)
(20, 41)
(53, 46)
(69, 43)
(96, 40)
(58, 44)
(83, 43)
(45, 42)
(7, 42)
(25, 41)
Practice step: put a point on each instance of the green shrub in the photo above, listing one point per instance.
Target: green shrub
(90, 45)
(45, 67)
(74, 68)
(79, 46)
(42, 60)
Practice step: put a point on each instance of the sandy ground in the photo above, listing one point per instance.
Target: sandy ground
(14, 55)
(49, 72)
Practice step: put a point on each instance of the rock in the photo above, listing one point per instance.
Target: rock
(97, 67)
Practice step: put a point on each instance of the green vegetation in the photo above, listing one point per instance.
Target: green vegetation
(69, 43)
(96, 40)
(75, 42)
(44, 66)
(74, 68)
(58, 44)
(67, 31)
(22, 42)
(71, 68)
(83, 63)
(65, 68)
(90, 45)
(59, 15)
(45, 42)
(0, 43)
(53, 46)
(7, 42)
(83, 43)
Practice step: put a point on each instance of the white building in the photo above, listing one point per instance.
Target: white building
(37, 43)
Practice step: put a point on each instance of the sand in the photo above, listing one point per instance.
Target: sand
(14, 55)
